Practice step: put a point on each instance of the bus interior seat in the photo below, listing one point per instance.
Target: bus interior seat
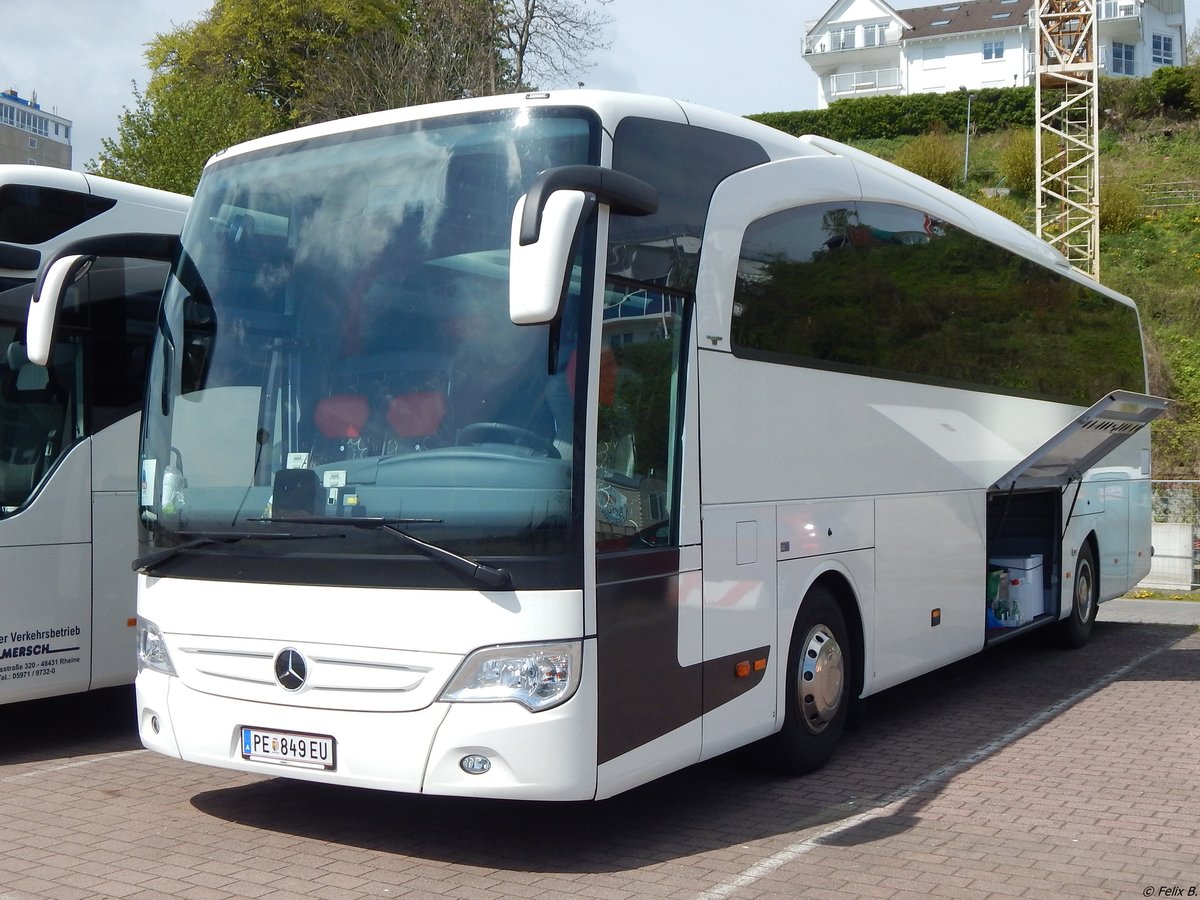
(341, 416)
(381, 403)
(417, 415)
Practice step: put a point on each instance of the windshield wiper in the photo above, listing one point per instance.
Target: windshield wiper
(203, 539)
(489, 576)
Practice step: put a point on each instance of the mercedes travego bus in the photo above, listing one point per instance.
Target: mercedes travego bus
(537, 446)
(69, 431)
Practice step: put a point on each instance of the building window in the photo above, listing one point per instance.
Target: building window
(33, 143)
(32, 162)
(1122, 63)
(875, 35)
(993, 50)
(841, 39)
(1162, 50)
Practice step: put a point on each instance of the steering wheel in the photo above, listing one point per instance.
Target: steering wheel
(503, 433)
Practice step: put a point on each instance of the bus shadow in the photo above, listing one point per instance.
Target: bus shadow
(103, 721)
(943, 721)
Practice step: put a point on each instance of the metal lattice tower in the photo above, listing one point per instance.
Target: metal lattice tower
(1067, 141)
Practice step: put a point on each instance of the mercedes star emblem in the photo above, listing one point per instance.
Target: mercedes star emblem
(291, 669)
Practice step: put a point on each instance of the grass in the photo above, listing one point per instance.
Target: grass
(1147, 594)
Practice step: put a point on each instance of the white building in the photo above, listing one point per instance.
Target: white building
(865, 47)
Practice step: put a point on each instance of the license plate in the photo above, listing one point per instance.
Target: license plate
(288, 748)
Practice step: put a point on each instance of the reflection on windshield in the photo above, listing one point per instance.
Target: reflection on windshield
(336, 343)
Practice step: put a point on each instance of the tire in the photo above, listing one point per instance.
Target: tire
(818, 694)
(1076, 628)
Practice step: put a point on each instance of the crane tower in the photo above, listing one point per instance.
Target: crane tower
(1067, 138)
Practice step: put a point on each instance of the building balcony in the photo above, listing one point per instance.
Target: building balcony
(824, 45)
(857, 84)
(1117, 9)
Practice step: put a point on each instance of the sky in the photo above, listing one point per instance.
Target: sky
(81, 57)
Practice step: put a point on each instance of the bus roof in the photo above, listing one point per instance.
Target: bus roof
(68, 180)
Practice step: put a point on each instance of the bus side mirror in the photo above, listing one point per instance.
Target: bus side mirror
(540, 272)
(546, 222)
(45, 303)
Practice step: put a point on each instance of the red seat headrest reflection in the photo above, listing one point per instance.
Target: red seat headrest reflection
(418, 414)
(341, 416)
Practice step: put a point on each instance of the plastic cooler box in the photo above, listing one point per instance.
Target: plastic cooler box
(1024, 583)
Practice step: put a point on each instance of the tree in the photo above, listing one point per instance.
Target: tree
(446, 51)
(548, 40)
(251, 67)
(171, 131)
(270, 48)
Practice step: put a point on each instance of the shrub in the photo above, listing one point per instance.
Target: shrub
(937, 157)
(1017, 164)
(1010, 208)
(1120, 207)
(865, 118)
(1123, 100)
(1174, 87)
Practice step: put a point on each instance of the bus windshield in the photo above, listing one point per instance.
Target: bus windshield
(335, 343)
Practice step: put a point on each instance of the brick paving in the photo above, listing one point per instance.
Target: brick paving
(1024, 772)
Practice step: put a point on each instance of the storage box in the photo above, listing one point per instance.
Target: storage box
(1024, 583)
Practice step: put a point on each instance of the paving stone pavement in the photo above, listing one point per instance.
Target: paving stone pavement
(1027, 771)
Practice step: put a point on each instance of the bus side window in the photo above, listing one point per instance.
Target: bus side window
(636, 436)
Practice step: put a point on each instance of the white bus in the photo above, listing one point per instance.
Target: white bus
(69, 431)
(537, 446)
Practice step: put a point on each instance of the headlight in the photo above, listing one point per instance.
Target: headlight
(152, 649)
(538, 676)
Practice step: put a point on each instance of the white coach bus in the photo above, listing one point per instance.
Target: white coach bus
(535, 447)
(69, 431)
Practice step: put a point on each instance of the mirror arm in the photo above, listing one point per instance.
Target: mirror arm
(625, 194)
(136, 245)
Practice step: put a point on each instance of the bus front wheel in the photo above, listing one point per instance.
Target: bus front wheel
(1076, 628)
(818, 694)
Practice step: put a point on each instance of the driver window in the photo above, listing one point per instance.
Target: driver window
(638, 422)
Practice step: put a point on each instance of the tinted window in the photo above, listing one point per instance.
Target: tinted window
(685, 164)
(112, 313)
(883, 290)
(31, 215)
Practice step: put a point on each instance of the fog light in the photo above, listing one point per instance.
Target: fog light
(154, 724)
(475, 764)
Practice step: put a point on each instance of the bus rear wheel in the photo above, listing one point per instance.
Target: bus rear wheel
(1076, 628)
(818, 695)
